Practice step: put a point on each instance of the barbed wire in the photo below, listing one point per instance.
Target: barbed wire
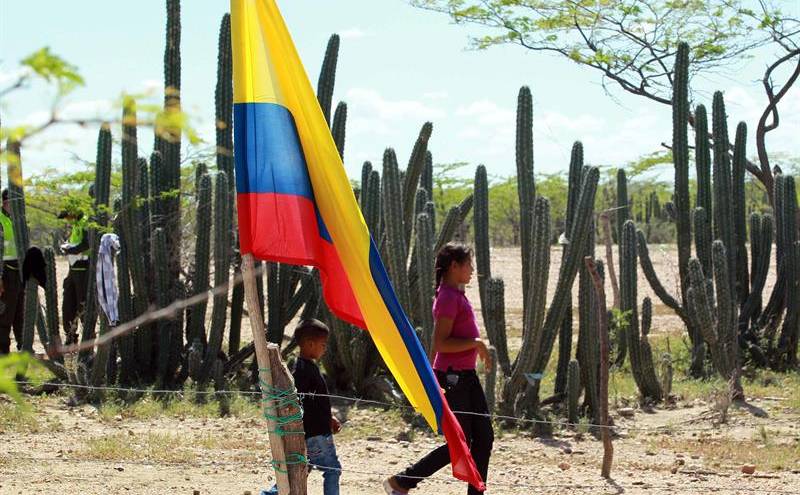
(358, 400)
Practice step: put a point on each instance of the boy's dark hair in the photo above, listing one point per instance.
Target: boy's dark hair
(310, 329)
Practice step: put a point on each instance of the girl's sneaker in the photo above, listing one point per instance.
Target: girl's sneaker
(393, 488)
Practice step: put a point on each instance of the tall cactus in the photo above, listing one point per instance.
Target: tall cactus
(790, 331)
(393, 219)
(496, 322)
(338, 128)
(532, 336)
(221, 274)
(168, 141)
(739, 213)
(51, 301)
(102, 190)
(638, 348)
(416, 165)
(223, 99)
(703, 235)
(480, 218)
(573, 390)
(565, 332)
(717, 318)
(327, 77)
(526, 189)
(426, 181)
(680, 209)
(723, 209)
(202, 254)
(16, 200)
(623, 209)
(161, 285)
(425, 265)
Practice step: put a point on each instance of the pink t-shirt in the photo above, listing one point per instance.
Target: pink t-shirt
(453, 304)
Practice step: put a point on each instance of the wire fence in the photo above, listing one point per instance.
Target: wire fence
(356, 401)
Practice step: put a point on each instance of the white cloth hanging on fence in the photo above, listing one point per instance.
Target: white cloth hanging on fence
(107, 293)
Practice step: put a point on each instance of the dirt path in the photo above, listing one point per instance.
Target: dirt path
(79, 450)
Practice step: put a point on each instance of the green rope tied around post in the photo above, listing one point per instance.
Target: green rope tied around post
(295, 459)
(275, 398)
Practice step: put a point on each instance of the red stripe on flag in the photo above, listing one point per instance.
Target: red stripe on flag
(460, 457)
(283, 228)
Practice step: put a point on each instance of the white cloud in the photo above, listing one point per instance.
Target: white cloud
(354, 33)
(87, 109)
(435, 95)
(370, 102)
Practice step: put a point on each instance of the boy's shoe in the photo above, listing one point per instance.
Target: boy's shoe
(393, 488)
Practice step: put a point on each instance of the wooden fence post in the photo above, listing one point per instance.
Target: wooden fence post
(608, 447)
(264, 373)
(294, 438)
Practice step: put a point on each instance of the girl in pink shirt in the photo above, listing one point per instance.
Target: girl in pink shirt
(457, 343)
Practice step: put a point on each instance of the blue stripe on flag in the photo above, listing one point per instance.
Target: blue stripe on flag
(267, 151)
(412, 343)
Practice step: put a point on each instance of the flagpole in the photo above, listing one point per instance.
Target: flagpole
(264, 374)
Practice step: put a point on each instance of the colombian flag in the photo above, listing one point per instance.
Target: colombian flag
(296, 206)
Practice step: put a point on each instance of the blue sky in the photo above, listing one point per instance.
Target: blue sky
(398, 67)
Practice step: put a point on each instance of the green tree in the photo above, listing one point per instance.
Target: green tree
(633, 43)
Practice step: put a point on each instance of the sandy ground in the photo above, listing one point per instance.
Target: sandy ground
(230, 455)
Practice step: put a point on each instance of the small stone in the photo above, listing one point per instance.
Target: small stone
(567, 450)
(120, 468)
(674, 470)
(374, 439)
(695, 456)
(650, 452)
(563, 466)
(748, 469)
(680, 462)
(626, 412)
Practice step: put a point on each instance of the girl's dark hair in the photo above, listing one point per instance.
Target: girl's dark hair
(450, 252)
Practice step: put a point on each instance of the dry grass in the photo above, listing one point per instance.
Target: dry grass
(774, 454)
(154, 447)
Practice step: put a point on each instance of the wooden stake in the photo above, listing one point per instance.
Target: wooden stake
(611, 269)
(294, 443)
(264, 372)
(608, 447)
